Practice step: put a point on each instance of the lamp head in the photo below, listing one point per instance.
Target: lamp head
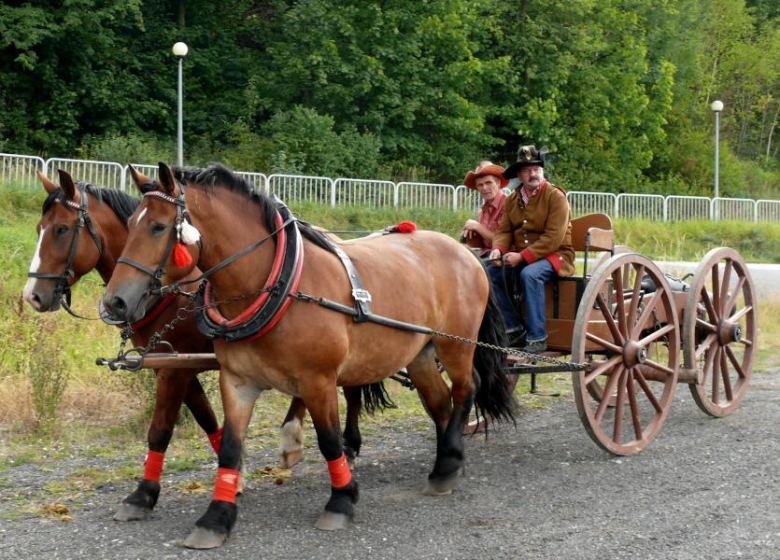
(180, 49)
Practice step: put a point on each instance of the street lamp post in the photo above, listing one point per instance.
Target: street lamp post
(717, 107)
(180, 51)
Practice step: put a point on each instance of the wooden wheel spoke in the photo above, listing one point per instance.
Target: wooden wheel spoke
(621, 399)
(724, 287)
(735, 362)
(640, 272)
(704, 346)
(706, 326)
(705, 298)
(604, 343)
(746, 342)
(648, 392)
(633, 405)
(608, 391)
(656, 335)
(741, 313)
(620, 302)
(733, 298)
(707, 368)
(716, 376)
(716, 287)
(655, 365)
(601, 368)
(724, 371)
(607, 313)
(647, 312)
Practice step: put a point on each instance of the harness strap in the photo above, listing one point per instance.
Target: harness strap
(361, 296)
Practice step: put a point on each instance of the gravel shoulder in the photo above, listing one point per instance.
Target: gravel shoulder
(705, 488)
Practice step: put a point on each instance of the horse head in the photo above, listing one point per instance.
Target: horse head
(62, 255)
(162, 247)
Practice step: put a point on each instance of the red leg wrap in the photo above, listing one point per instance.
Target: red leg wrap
(153, 466)
(339, 472)
(216, 440)
(226, 485)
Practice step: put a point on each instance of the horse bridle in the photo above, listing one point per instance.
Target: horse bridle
(63, 286)
(155, 284)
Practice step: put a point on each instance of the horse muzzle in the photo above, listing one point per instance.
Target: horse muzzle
(126, 304)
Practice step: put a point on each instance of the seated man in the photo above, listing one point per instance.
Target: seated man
(488, 179)
(534, 241)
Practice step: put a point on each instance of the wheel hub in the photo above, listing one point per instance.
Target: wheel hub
(634, 354)
(729, 332)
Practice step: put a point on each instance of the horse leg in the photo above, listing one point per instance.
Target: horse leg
(435, 396)
(171, 388)
(352, 437)
(291, 444)
(449, 450)
(198, 403)
(213, 528)
(322, 401)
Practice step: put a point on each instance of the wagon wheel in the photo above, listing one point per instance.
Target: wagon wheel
(633, 344)
(595, 388)
(719, 331)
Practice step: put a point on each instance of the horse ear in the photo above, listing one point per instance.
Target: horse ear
(68, 186)
(139, 179)
(47, 184)
(167, 180)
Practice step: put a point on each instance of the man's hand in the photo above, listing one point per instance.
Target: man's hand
(470, 229)
(495, 258)
(513, 259)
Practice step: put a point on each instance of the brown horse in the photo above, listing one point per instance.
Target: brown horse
(103, 214)
(422, 278)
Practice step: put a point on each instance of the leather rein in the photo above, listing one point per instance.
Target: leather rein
(62, 290)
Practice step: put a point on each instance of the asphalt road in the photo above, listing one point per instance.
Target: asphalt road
(705, 488)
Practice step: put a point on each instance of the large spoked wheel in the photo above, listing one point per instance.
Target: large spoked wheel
(719, 331)
(631, 338)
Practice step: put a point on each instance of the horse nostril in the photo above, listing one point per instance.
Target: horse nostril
(118, 305)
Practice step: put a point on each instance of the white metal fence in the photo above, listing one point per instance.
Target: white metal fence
(21, 170)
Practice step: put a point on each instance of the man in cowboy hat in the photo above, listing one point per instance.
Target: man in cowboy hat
(533, 241)
(487, 179)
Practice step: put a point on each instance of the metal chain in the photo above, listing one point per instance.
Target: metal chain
(181, 314)
(569, 366)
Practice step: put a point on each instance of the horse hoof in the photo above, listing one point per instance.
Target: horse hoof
(130, 512)
(330, 521)
(442, 486)
(288, 459)
(203, 539)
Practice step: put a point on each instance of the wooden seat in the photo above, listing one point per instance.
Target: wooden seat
(590, 233)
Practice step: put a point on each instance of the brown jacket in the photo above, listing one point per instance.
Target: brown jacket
(542, 230)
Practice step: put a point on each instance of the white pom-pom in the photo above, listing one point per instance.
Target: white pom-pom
(189, 233)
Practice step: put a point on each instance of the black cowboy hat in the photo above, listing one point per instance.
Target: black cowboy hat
(526, 155)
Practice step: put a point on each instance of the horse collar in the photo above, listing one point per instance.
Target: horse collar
(274, 298)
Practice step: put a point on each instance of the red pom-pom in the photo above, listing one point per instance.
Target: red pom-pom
(405, 227)
(181, 256)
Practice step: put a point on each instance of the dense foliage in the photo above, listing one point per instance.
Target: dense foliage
(405, 89)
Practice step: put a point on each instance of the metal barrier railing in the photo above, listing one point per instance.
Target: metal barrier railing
(21, 169)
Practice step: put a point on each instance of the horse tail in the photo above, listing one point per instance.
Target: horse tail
(376, 397)
(494, 399)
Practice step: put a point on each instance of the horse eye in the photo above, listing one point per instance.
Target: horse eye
(158, 228)
(61, 230)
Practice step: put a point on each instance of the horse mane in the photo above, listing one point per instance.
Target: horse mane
(219, 176)
(122, 204)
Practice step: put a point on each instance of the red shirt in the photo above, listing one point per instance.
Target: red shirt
(490, 216)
